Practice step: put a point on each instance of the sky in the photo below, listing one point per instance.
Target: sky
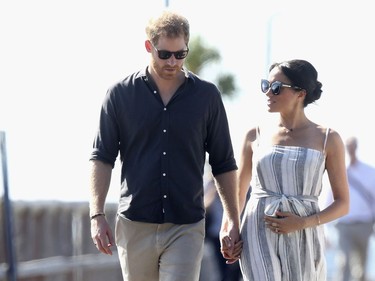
(58, 58)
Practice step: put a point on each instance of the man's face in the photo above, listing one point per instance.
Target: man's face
(164, 61)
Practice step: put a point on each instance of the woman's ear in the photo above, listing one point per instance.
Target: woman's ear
(302, 93)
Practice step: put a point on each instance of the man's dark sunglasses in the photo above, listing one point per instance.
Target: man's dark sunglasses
(179, 55)
(276, 86)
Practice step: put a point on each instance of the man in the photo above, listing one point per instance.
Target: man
(355, 229)
(163, 120)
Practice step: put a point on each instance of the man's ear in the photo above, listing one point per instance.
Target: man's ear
(148, 46)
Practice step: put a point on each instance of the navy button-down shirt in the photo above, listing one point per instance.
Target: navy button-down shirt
(163, 147)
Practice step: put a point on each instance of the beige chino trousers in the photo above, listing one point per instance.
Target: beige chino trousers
(159, 252)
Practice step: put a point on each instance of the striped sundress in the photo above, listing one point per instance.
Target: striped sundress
(287, 178)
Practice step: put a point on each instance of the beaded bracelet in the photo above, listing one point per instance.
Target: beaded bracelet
(96, 215)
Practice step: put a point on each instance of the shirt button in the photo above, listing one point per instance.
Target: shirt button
(165, 109)
(164, 174)
(164, 130)
(164, 153)
(155, 92)
(165, 196)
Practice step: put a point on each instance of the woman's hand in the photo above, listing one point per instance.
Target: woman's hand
(284, 222)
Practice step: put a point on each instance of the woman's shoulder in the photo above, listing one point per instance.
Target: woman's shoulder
(330, 133)
(252, 134)
(332, 138)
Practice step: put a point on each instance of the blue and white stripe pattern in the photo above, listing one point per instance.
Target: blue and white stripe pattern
(287, 178)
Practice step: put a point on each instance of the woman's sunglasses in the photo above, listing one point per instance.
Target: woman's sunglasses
(164, 55)
(275, 86)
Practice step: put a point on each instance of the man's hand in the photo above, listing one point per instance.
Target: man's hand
(231, 251)
(101, 235)
(231, 243)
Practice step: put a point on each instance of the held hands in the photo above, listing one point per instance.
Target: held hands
(284, 222)
(101, 235)
(230, 251)
(231, 245)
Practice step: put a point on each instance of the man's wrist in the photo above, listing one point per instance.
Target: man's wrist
(96, 215)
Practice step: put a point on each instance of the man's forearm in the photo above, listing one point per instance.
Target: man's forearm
(100, 179)
(228, 192)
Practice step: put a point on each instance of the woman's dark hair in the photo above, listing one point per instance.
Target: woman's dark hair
(302, 74)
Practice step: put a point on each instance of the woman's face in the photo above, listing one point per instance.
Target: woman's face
(288, 98)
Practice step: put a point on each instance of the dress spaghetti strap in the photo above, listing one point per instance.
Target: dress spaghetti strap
(325, 141)
(258, 135)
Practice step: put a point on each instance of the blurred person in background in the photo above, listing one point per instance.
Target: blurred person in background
(162, 121)
(355, 229)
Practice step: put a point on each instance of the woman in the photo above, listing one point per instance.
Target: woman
(281, 228)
